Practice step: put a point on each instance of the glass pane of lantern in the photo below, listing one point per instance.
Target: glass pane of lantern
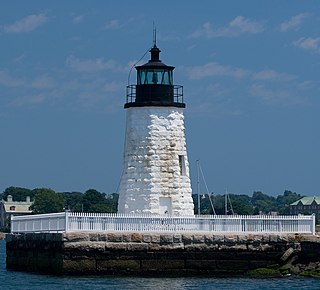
(154, 76)
(141, 77)
(165, 78)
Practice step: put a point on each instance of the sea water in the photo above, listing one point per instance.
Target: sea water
(23, 280)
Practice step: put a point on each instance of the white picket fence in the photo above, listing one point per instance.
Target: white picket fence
(107, 222)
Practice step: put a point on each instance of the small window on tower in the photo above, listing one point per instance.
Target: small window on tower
(182, 165)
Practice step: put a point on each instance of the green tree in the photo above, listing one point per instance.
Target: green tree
(112, 201)
(263, 202)
(47, 201)
(95, 201)
(73, 201)
(285, 200)
(17, 193)
(241, 204)
(219, 203)
(205, 204)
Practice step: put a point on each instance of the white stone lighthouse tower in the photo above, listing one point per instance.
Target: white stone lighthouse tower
(155, 178)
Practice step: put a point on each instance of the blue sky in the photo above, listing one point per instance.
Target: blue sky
(250, 71)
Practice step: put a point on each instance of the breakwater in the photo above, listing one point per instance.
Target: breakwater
(162, 253)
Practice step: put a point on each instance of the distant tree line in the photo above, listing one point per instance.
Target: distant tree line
(47, 200)
(243, 204)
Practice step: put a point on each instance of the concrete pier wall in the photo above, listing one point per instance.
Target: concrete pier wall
(155, 253)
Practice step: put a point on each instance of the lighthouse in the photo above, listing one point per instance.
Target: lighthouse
(155, 178)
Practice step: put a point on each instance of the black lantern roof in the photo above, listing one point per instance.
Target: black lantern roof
(155, 60)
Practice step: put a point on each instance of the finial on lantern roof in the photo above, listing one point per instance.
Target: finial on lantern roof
(154, 35)
(155, 51)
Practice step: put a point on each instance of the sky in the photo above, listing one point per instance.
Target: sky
(250, 71)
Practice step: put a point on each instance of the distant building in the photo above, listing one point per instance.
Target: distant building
(11, 207)
(306, 205)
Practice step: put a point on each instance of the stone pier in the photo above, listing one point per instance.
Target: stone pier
(157, 253)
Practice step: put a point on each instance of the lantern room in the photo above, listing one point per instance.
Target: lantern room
(154, 85)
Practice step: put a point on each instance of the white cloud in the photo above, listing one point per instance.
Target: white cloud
(238, 26)
(9, 81)
(40, 82)
(91, 93)
(269, 86)
(77, 19)
(215, 69)
(206, 30)
(113, 24)
(26, 24)
(43, 82)
(241, 25)
(307, 85)
(168, 37)
(280, 96)
(294, 22)
(308, 43)
(271, 75)
(217, 90)
(19, 58)
(92, 65)
(29, 100)
(216, 98)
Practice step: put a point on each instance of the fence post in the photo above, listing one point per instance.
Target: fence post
(313, 227)
(66, 220)
(11, 224)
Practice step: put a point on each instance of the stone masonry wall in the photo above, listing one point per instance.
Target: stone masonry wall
(154, 253)
(155, 138)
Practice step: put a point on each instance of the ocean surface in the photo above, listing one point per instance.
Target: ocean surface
(20, 280)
